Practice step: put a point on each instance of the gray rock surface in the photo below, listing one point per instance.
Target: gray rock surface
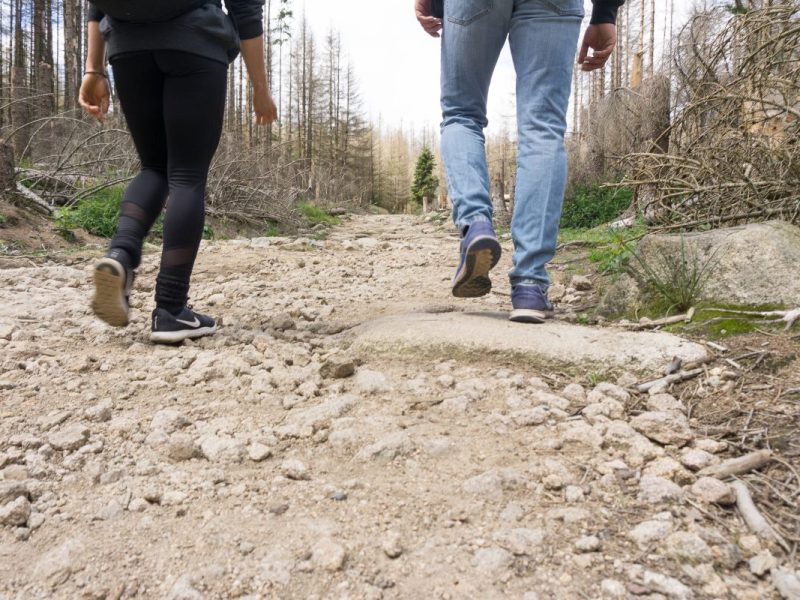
(557, 343)
(751, 264)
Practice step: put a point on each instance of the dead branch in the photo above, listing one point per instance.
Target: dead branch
(669, 379)
(738, 466)
(747, 508)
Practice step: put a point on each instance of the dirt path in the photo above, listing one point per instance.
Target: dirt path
(257, 465)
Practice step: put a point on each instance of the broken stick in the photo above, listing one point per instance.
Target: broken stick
(754, 519)
(738, 466)
(675, 378)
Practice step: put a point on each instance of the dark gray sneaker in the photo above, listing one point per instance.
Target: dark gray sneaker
(112, 291)
(480, 252)
(530, 304)
(173, 329)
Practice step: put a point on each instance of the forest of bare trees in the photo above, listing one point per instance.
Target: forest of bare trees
(627, 122)
(323, 149)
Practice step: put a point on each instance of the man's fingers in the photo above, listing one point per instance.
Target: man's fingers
(583, 53)
(605, 53)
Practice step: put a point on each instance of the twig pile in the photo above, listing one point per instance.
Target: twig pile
(733, 155)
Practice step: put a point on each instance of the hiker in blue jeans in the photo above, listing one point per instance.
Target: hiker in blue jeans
(543, 35)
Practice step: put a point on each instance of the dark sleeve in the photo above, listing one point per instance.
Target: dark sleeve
(95, 14)
(605, 11)
(249, 17)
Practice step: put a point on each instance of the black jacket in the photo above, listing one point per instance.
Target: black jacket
(605, 11)
(206, 31)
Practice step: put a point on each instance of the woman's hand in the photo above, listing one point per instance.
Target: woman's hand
(95, 95)
(264, 106)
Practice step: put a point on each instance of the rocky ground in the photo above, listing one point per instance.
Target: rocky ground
(280, 459)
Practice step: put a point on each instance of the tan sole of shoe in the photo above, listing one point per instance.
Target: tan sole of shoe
(526, 315)
(474, 281)
(109, 293)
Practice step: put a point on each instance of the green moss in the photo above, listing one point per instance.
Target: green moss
(314, 215)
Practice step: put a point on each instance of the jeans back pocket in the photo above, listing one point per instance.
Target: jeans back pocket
(464, 12)
(567, 8)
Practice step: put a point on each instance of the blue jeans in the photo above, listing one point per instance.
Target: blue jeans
(543, 35)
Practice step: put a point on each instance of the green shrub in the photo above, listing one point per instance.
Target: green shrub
(96, 214)
(590, 206)
(314, 215)
(676, 280)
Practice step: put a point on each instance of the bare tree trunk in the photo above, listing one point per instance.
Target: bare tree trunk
(8, 177)
(19, 88)
(72, 53)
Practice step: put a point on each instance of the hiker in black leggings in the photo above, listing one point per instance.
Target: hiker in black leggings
(171, 82)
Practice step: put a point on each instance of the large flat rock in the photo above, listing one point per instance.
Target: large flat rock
(492, 335)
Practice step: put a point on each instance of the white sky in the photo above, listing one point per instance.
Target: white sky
(397, 64)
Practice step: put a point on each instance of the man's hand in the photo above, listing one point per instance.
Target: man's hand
(429, 23)
(601, 39)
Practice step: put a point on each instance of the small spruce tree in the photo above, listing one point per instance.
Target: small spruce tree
(425, 182)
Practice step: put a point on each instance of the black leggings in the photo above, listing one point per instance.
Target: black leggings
(174, 103)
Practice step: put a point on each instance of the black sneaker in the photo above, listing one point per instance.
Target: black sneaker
(172, 329)
(112, 291)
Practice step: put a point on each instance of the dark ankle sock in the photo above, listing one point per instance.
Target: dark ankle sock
(172, 289)
(122, 257)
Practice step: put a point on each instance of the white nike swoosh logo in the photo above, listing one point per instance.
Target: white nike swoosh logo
(195, 323)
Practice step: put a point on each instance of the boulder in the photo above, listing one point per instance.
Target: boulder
(750, 264)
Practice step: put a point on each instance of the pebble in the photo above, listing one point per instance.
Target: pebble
(16, 512)
(669, 586)
(666, 428)
(138, 505)
(278, 508)
(573, 494)
(687, 547)
(69, 438)
(337, 366)
(588, 543)
(581, 283)
(100, 412)
(295, 469)
(575, 393)
(391, 545)
(372, 382)
(520, 541)
(613, 589)
(648, 532)
(328, 555)
(222, 449)
(711, 446)
(713, 491)
(665, 403)
(654, 490)
(387, 448)
(492, 561)
(169, 421)
(762, 563)
(181, 446)
(258, 452)
(695, 459)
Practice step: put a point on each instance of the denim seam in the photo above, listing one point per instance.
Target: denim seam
(474, 18)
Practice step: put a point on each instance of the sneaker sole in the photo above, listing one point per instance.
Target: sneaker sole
(176, 337)
(109, 293)
(527, 315)
(482, 256)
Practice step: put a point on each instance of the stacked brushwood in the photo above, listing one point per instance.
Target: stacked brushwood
(733, 154)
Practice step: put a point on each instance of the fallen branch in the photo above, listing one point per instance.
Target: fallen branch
(747, 508)
(717, 347)
(684, 318)
(738, 466)
(33, 200)
(675, 378)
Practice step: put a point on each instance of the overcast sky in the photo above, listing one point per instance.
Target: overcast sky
(398, 64)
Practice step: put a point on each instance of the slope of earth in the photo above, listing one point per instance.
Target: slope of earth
(280, 459)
